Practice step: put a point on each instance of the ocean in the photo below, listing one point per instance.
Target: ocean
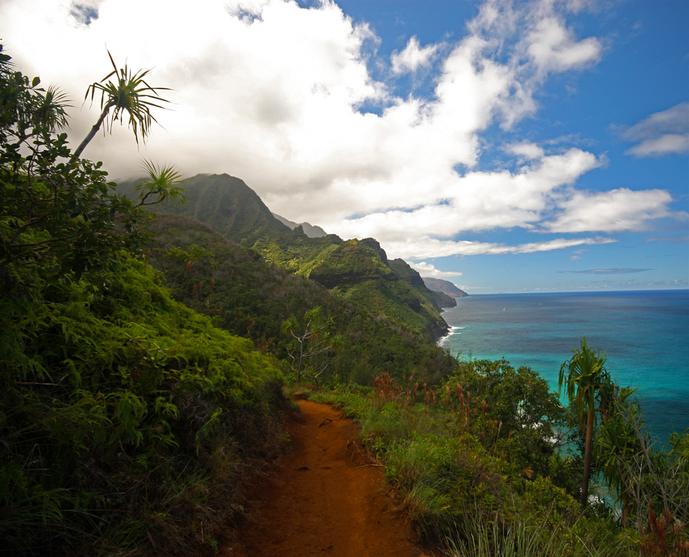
(645, 336)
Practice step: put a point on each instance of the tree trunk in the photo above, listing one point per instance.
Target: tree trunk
(92, 133)
(588, 445)
(625, 513)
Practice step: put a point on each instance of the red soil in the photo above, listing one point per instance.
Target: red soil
(326, 498)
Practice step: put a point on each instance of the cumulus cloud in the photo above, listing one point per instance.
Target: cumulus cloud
(662, 133)
(413, 57)
(429, 270)
(611, 211)
(553, 48)
(476, 201)
(273, 92)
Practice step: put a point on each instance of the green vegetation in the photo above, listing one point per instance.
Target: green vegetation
(124, 91)
(225, 204)
(584, 376)
(250, 297)
(126, 418)
(356, 269)
(477, 463)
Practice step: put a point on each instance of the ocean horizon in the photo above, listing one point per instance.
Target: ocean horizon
(644, 335)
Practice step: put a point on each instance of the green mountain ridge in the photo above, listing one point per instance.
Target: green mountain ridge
(444, 286)
(357, 270)
(250, 297)
(444, 291)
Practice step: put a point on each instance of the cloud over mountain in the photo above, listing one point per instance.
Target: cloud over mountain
(274, 92)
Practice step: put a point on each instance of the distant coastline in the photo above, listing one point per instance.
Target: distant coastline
(546, 292)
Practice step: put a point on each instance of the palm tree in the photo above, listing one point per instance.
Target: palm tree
(127, 92)
(583, 375)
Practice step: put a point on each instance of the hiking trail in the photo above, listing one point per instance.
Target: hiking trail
(326, 498)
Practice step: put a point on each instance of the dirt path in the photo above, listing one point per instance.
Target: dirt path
(325, 499)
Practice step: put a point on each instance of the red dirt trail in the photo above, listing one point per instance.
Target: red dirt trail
(325, 499)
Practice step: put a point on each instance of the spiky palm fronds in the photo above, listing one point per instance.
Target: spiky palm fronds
(160, 185)
(124, 91)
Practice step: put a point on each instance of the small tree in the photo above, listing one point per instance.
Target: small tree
(310, 340)
(617, 442)
(160, 184)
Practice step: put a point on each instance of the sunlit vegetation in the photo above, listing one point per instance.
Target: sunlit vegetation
(250, 297)
(354, 269)
(142, 364)
(488, 462)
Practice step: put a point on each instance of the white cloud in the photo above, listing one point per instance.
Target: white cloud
(667, 144)
(525, 150)
(429, 270)
(413, 57)
(272, 92)
(611, 211)
(662, 133)
(476, 201)
(432, 247)
(553, 48)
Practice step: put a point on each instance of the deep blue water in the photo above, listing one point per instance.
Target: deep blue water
(645, 336)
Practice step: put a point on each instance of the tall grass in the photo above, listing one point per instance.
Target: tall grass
(480, 535)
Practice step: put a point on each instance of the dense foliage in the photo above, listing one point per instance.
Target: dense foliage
(125, 417)
(474, 458)
(354, 269)
(489, 463)
(253, 298)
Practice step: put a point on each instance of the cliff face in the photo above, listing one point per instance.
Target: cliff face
(444, 286)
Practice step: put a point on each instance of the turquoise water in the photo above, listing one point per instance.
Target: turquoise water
(645, 336)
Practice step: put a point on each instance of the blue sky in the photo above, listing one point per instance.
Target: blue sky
(644, 69)
(507, 146)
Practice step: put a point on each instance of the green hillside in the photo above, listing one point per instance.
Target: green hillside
(127, 420)
(356, 269)
(251, 297)
(226, 204)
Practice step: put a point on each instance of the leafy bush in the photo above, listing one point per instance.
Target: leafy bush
(456, 455)
(126, 418)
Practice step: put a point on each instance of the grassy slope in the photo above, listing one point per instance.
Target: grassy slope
(471, 482)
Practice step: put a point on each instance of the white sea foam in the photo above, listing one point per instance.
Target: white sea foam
(454, 330)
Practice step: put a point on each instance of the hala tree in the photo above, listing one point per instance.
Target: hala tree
(584, 376)
(124, 91)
